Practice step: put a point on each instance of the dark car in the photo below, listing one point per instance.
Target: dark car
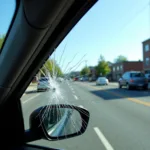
(133, 79)
(147, 77)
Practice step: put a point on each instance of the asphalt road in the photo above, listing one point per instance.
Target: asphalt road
(119, 119)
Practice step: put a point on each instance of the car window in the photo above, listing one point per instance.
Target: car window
(109, 41)
(137, 75)
(103, 78)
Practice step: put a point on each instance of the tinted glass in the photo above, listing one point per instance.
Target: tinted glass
(137, 75)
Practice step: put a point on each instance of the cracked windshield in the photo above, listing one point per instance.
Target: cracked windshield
(103, 66)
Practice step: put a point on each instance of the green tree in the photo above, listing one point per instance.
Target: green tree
(85, 71)
(102, 68)
(52, 67)
(2, 38)
(139, 59)
(120, 58)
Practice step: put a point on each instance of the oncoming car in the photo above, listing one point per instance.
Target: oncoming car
(43, 84)
(102, 81)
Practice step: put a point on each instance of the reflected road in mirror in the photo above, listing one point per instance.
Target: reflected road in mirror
(60, 122)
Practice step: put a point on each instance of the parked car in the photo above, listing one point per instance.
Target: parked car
(85, 78)
(75, 79)
(102, 81)
(43, 84)
(147, 76)
(92, 79)
(133, 79)
(60, 79)
(81, 79)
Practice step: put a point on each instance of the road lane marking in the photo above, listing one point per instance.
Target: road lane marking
(135, 100)
(129, 98)
(103, 139)
(73, 91)
(30, 98)
(75, 97)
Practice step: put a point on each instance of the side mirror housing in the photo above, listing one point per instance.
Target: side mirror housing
(57, 122)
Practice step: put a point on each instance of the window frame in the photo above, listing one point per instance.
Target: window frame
(146, 47)
(147, 61)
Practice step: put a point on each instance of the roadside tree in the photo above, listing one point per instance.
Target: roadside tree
(102, 68)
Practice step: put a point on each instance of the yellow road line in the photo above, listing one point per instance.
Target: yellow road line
(135, 100)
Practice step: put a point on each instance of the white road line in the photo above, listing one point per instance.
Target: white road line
(75, 97)
(103, 139)
(30, 98)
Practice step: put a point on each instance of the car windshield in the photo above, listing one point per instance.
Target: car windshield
(137, 75)
(111, 39)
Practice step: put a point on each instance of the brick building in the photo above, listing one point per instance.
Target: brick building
(146, 56)
(118, 69)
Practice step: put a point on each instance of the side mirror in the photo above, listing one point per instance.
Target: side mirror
(57, 122)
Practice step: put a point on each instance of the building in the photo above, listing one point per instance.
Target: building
(92, 75)
(146, 56)
(75, 74)
(118, 69)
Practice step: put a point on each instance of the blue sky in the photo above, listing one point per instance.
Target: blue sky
(7, 8)
(110, 28)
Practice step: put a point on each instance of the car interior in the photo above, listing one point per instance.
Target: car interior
(36, 29)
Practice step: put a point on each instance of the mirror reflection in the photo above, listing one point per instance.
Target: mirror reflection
(60, 122)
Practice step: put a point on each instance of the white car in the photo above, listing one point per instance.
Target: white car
(60, 79)
(102, 81)
(43, 84)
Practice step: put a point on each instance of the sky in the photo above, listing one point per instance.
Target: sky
(7, 8)
(110, 28)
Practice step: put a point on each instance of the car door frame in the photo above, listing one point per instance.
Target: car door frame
(11, 90)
